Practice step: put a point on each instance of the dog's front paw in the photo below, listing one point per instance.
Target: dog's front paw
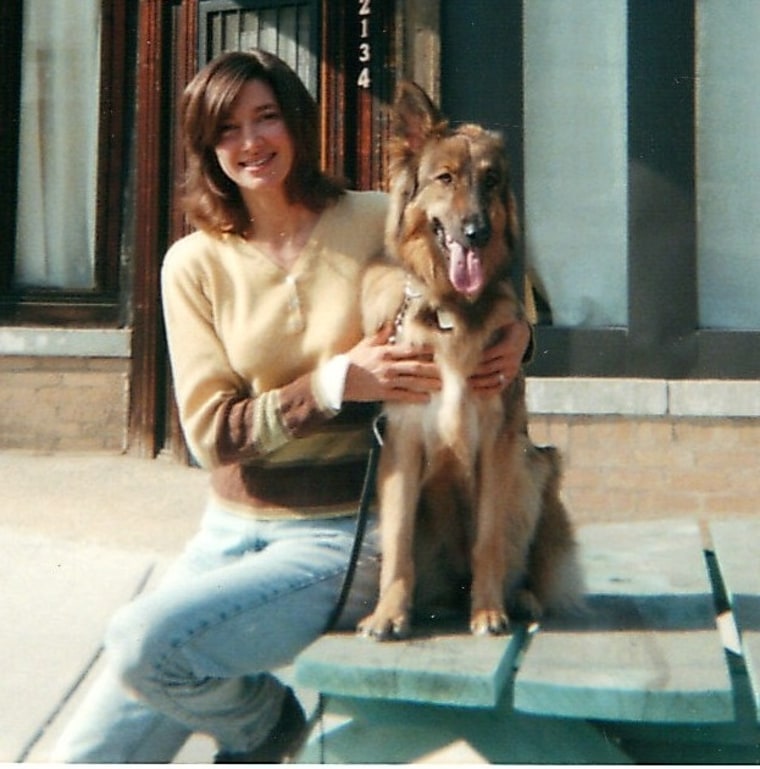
(382, 626)
(489, 622)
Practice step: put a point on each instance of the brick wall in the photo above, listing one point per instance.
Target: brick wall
(63, 403)
(654, 449)
(619, 469)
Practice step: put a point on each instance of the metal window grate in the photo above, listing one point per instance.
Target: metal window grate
(288, 29)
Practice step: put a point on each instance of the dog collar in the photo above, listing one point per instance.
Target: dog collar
(444, 318)
(409, 294)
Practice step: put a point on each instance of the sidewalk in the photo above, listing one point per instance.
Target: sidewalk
(79, 535)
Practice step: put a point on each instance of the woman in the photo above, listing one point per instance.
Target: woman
(275, 386)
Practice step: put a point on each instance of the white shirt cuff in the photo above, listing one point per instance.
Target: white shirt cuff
(331, 377)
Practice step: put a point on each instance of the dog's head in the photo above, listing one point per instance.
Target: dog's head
(453, 218)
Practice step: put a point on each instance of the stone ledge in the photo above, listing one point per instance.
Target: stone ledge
(570, 395)
(643, 397)
(715, 398)
(546, 395)
(65, 342)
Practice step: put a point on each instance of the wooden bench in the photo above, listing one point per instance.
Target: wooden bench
(645, 675)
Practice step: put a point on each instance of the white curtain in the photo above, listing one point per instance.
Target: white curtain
(55, 241)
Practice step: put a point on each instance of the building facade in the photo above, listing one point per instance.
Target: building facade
(632, 129)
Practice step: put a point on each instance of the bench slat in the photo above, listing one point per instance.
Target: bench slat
(629, 658)
(445, 668)
(737, 548)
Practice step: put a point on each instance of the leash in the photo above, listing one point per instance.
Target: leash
(368, 487)
(362, 517)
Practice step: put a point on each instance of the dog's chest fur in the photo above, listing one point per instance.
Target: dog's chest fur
(455, 421)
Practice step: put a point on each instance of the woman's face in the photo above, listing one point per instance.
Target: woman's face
(255, 149)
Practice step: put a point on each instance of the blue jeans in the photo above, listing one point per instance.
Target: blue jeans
(196, 654)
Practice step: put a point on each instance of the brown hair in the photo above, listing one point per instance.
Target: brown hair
(212, 201)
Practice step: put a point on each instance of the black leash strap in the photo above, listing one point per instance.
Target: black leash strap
(362, 516)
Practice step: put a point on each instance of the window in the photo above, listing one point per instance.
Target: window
(728, 159)
(576, 191)
(639, 192)
(286, 28)
(65, 68)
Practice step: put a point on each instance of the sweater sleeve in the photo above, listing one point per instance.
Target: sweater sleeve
(222, 419)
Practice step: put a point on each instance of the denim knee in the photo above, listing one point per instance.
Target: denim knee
(135, 646)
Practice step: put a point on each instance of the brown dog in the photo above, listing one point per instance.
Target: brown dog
(468, 505)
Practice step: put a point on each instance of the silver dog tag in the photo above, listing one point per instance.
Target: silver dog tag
(445, 319)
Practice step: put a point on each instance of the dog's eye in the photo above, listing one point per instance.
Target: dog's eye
(445, 177)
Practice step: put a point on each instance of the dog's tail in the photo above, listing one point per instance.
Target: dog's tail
(555, 574)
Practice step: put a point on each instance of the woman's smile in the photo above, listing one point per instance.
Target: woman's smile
(257, 163)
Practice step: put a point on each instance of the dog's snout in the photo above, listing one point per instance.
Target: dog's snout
(477, 230)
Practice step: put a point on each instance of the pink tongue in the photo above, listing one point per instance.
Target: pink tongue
(465, 269)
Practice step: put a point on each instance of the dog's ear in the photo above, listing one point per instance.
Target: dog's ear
(415, 118)
(512, 232)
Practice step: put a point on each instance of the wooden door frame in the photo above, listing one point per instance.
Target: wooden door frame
(357, 152)
(166, 61)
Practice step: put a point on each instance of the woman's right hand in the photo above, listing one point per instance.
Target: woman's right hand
(381, 371)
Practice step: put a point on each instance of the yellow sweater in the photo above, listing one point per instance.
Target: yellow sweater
(246, 339)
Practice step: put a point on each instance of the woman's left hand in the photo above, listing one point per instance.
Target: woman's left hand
(501, 362)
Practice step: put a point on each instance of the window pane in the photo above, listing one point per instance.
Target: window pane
(728, 163)
(57, 186)
(576, 173)
(282, 28)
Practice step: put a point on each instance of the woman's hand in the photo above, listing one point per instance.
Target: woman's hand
(501, 362)
(380, 371)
